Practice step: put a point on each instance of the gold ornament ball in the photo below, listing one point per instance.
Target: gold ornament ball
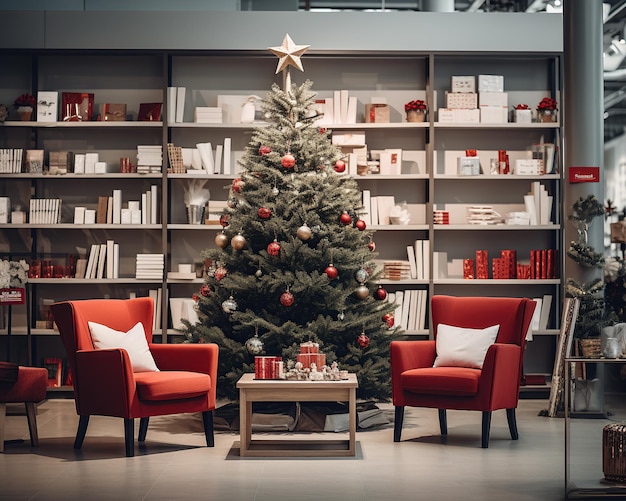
(362, 292)
(304, 232)
(238, 242)
(221, 240)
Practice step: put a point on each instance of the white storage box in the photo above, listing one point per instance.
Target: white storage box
(463, 83)
(490, 83)
(487, 98)
(466, 100)
(493, 115)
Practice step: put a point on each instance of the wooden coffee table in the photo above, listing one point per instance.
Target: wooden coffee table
(271, 390)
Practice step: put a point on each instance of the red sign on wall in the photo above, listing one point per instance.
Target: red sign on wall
(584, 174)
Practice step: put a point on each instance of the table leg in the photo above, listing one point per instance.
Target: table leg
(352, 414)
(245, 423)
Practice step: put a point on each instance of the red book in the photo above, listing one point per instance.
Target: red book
(544, 263)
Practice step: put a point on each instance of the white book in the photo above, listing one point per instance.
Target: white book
(410, 251)
(81, 266)
(79, 215)
(406, 306)
(399, 305)
(545, 206)
(102, 258)
(386, 204)
(426, 255)
(125, 217)
(337, 106)
(116, 260)
(117, 206)
(148, 207)
(144, 208)
(440, 265)
(152, 293)
(90, 162)
(345, 98)
(534, 323)
(171, 104)
(529, 204)
(206, 155)
(536, 193)
(92, 260)
(413, 311)
(424, 306)
(132, 295)
(90, 216)
(154, 204)
(367, 208)
(351, 112)
(374, 210)
(110, 210)
(419, 258)
(110, 245)
(47, 106)
(544, 316)
(329, 111)
(218, 158)
(228, 164)
(180, 104)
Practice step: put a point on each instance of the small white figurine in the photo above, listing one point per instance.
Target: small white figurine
(248, 110)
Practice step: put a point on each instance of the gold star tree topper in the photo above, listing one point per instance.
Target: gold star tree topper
(288, 55)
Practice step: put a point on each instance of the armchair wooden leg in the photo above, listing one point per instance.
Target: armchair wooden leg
(80, 434)
(486, 428)
(510, 417)
(207, 420)
(31, 416)
(129, 439)
(397, 423)
(443, 421)
(143, 429)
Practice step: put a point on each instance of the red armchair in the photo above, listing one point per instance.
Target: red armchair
(416, 383)
(104, 381)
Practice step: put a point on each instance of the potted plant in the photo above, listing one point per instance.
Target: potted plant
(547, 110)
(24, 105)
(415, 110)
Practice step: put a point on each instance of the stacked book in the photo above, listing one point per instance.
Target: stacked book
(103, 261)
(396, 270)
(483, 214)
(45, 210)
(149, 266)
(11, 160)
(208, 115)
(149, 158)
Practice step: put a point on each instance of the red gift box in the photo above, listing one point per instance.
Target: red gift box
(306, 359)
(468, 268)
(265, 367)
(482, 264)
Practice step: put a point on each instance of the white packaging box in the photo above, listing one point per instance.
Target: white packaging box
(470, 116)
(465, 100)
(47, 106)
(494, 115)
(100, 168)
(352, 138)
(125, 217)
(463, 83)
(487, 98)
(529, 167)
(445, 115)
(90, 216)
(522, 116)
(5, 209)
(468, 166)
(490, 83)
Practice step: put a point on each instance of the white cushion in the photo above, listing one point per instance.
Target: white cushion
(134, 342)
(463, 347)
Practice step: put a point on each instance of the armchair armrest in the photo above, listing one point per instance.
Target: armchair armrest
(501, 374)
(104, 383)
(407, 355)
(187, 357)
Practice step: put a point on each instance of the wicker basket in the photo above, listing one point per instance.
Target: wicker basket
(590, 348)
(614, 452)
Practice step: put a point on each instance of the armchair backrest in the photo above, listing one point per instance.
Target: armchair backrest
(71, 318)
(512, 314)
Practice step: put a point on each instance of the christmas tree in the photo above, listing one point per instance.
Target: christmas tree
(294, 262)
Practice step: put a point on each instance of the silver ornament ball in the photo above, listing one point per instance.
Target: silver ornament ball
(254, 345)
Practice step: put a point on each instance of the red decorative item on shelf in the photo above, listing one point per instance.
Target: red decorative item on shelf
(273, 249)
(264, 150)
(264, 213)
(288, 161)
(331, 271)
(482, 264)
(509, 256)
(340, 166)
(363, 340)
(238, 185)
(12, 295)
(468, 269)
(360, 224)
(345, 219)
(287, 299)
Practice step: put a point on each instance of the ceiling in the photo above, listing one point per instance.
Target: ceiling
(615, 51)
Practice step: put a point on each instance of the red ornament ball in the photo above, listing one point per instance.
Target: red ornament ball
(273, 249)
(205, 290)
(389, 320)
(286, 299)
(345, 219)
(372, 246)
(220, 273)
(331, 271)
(340, 166)
(360, 224)
(381, 293)
(264, 213)
(363, 340)
(238, 185)
(224, 220)
(288, 161)
(264, 150)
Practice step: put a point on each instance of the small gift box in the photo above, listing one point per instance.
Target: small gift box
(377, 113)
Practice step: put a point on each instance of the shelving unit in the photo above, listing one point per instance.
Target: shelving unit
(133, 77)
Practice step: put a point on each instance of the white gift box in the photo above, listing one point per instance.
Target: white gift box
(490, 83)
(459, 115)
(468, 166)
(487, 98)
(529, 167)
(522, 116)
(465, 100)
(494, 115)
(463, 83)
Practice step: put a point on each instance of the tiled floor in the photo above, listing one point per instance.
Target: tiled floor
(174, 464)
